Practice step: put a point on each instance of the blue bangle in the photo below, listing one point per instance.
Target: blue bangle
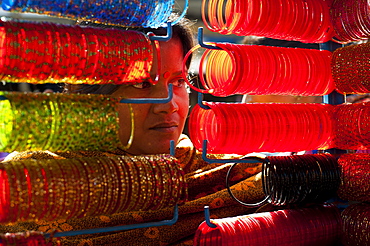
(149, 13)
(162, 13)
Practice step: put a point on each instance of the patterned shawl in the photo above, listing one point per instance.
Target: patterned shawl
(206, 187)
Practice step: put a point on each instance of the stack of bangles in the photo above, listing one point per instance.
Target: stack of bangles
(307, 21)
(356, 224)
(309, 178)
(29, 238)
(351, 128)
(317, 225)
(351, 69)
(52, 189)
(59, 122)
(295, 179)
(355, 171)
(260, 70)
(242, 128)
(350, 20)
(39, 53)
(144, 13)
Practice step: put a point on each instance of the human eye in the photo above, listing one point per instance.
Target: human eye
(178, 82)
(142, 85)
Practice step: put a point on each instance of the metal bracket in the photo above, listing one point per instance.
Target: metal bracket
(150, 100)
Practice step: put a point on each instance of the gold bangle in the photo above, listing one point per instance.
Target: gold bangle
(132, 117)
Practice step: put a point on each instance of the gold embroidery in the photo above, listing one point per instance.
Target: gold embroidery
(217, 203)
(104, 218)
(58, 225)
(137, 217)
(86, 242)
(152, 232)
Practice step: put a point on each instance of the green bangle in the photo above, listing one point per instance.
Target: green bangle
(58, 122)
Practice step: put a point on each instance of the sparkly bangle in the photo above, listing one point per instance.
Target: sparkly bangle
(116, 194)
(91, 201)
(127, 13)
(107, 184)
(141, 184)
(350, 20)
(20, 192)
(62, 203)
(351, 133)
(126, 184)
(9, 195)
(35, 189)
(5, 198)
(161, 177)
(135, 185)
(354, 176)
(102, 191)
(50, 126)
(167, 184)
(52, 192)
(75, 191)
(162, 11)
(46, 189)
(115, 187)
(148, 180)
(25, 238)
(56, 53)
(350, 69)
(355, 224)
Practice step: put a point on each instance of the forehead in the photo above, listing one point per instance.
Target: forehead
(171, 53)
(173, 44)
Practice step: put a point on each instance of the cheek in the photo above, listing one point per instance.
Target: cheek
(138, 111)
(183, 104)
(124, 112)
(124, 116)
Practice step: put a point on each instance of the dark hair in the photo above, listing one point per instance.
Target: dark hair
(358, 98)
(182, 30)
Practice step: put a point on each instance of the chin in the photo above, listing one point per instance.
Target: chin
(150, 150)
(151, 145)
(160, 150)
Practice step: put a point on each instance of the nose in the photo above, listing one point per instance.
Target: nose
(162, 91)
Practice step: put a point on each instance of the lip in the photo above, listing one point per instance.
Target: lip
(165, 127)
